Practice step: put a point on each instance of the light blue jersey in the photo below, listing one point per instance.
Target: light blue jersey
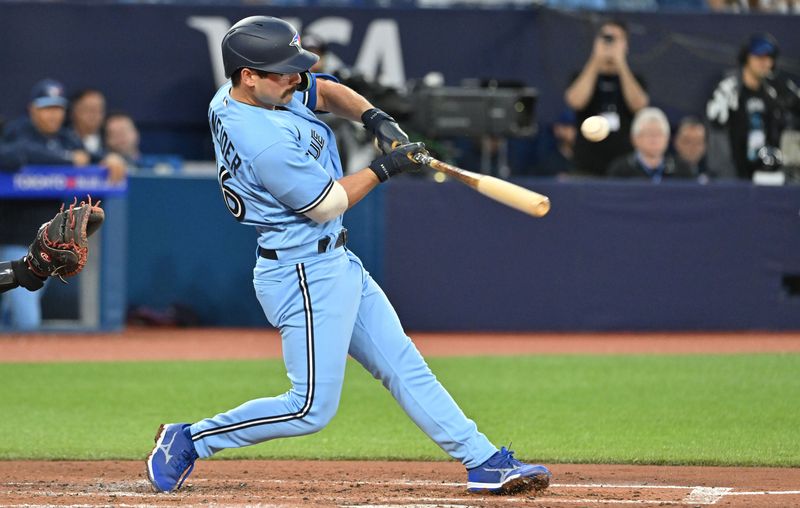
(275, 165)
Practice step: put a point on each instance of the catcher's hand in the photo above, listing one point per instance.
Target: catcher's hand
(61, 246)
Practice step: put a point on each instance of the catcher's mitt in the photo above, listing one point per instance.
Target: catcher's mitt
(61, 246)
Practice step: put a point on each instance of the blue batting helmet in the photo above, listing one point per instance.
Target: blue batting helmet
(267, 44)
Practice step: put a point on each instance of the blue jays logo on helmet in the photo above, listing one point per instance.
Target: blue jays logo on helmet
(296, 42)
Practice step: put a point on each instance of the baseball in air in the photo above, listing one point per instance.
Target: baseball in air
(595, 128)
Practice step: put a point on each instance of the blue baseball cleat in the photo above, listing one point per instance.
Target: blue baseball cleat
(503, 474)
(172, 459)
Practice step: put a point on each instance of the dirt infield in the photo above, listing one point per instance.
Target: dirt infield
(388, 485)
(219, 344)
(382, 484)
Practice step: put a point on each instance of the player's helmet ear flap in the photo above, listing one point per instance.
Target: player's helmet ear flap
(305, 81)
(266, 44)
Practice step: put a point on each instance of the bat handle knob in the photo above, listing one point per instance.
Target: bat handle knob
(421, 158)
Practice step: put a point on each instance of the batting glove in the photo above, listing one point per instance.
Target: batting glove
(397, 161)
(385, 129)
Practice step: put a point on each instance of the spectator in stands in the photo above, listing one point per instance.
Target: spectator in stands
(749, 110)
(650, 138)
(558, 162)
(40, 138)
(690, 145)
(606, 86)
(87, 116)
(120, 136)
(87, 113)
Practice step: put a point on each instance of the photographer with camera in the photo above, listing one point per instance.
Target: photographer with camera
(749, 111)
(606, 86)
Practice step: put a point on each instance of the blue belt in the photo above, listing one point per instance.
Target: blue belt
(304, 250)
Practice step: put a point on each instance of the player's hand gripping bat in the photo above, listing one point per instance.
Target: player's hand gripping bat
(502, 191)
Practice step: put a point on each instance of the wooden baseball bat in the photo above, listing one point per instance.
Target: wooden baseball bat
(501, 191)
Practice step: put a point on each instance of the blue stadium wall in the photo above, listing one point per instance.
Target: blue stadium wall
(609, 256)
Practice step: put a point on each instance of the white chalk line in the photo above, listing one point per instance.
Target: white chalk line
(766, 493)
(497, 500)
(618, 486)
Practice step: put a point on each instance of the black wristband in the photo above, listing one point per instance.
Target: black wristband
(25, 277)
(379, 167)
(397, 161)
(371, 118)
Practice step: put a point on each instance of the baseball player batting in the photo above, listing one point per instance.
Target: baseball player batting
(280, 172)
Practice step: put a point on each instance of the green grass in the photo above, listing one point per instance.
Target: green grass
(720, 410)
